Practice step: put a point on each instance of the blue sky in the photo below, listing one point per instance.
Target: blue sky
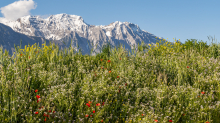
(180, 19)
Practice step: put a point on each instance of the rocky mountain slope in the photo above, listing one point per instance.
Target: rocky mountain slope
(9, 38)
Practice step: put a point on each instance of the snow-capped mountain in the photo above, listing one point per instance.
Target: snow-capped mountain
(54, 27)
(64, 27)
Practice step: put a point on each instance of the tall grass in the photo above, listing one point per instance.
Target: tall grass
(167, 83)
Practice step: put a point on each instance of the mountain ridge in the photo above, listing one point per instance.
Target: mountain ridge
(64, 27)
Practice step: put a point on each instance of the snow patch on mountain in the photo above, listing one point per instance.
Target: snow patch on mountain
(108, 33)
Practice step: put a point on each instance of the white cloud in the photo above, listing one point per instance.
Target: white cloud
(17, 9)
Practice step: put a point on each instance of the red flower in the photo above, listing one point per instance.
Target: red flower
(156, 120)
(36, 91)
(93, 111)
(207, 122)
(90, 115)
(45, 119)
(203, 92)
(170, 121)
(109, 71)
(125, 84)
(120, 58)
(38, 96)
(87, 115)
(117, 76)
(21, 54)
(36, 112)
(187, 66)
(109, 61)
(98, 104)
(29, 57)
(101, 59)
(142, 114)
(46, 115)
(88, 104)
(101, 120)
(38, 101)
(103, 103)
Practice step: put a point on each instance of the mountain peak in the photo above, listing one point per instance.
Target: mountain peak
(127, 23)
(64, 15)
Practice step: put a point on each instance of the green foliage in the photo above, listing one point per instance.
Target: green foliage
(105, 52)
(200, 46)
(106, 49)
(165, 81)
(214, 51)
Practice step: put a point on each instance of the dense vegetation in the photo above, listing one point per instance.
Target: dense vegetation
(163, 83)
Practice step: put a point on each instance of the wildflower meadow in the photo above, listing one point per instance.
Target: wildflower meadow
(160, 83)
